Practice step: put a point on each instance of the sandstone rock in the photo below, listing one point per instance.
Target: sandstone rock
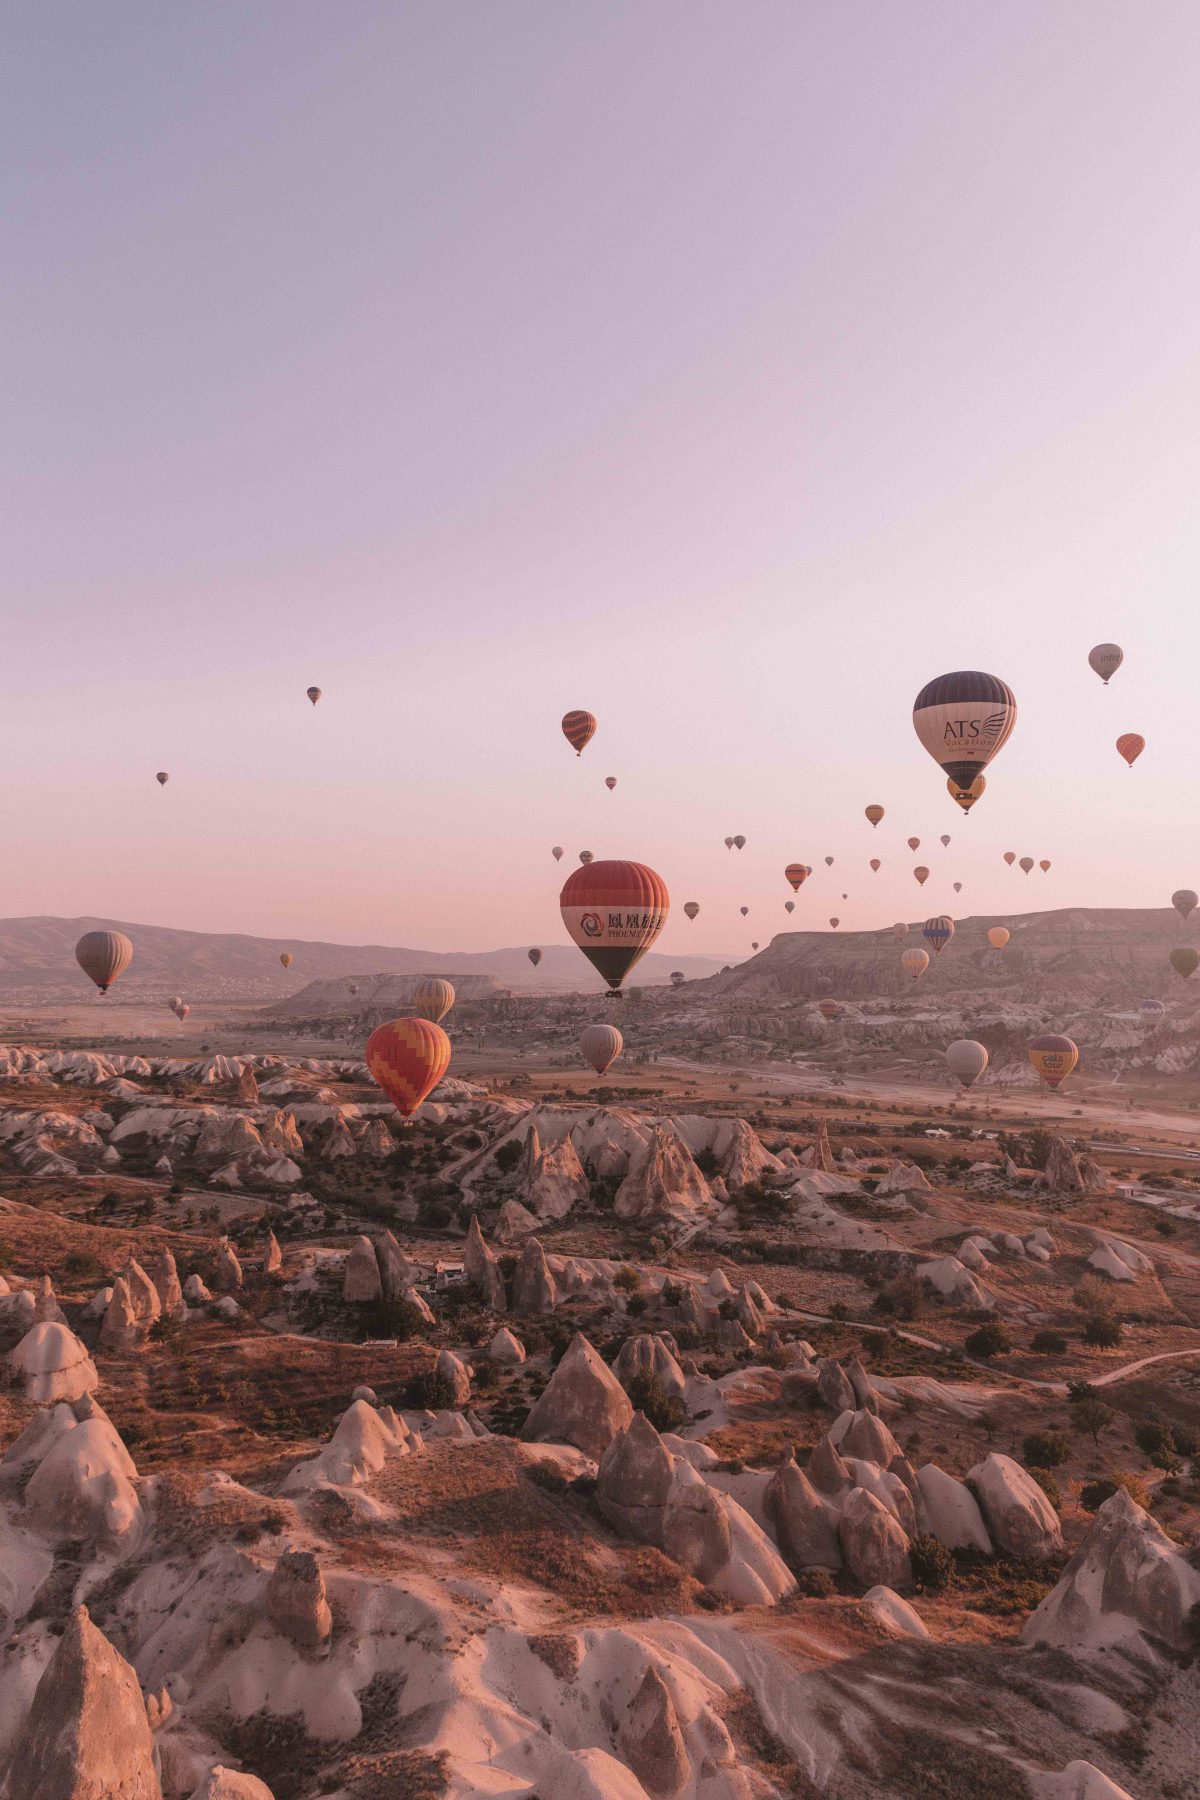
(506, 1350)
(396, 1272)
(948, 1276)
(583, 1404)
(663, 1181)
(339, 1144)
(52, 1364)
(826, 1470)
(515, 1222)
(819, 1155)
(143, 1295)
(272, 1259)
(46, 1310)
(651, 1741)
(873, 1544)
(1080, 1781)
(247, 1086)
(742, 1156)
(695, 1527)
(360, 1278)
(376, 1141)
(1018, 1515)
(748, 1315)
(295, 1601)
(457, 1377)
(648, 1355)
(1127, 1583)
(86, 1736)
(693, 1316)
(865, 1395)
(634, 1482)
(733, 1337)
(226, 1307)
(903, 1178)
(865, 1436)
(1061, 1174)
(804, 1526)
(366, 1438)
(952, 1511)
(231, 1784)
(834, 1387)
(417, 1301)
(533, 1286)
(281, 1134)
(228, 1272)
(895, 1614)
(557, 1182)
(483, 1269)
(162, 1272)
(195, 1290)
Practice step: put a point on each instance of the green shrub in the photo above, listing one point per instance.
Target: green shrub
(1045, 1450)
(1049, 1343)
(932, 1563)
(666, 1412)
(429, 1390)
(508, 1155)
(1048, 1485)
(989, 1340)
(1094, 1493)
(1102, 1332)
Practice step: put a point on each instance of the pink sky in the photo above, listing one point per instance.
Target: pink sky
(726, 369)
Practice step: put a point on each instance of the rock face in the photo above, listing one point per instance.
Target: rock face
(557, 1181)
(1127, 1584)
(804, 1525)
(161, 1270)
(873, 1544)
(867, 1438)
(295, 1601)
(695, 1527)
(1018, 1515)
(396, 1273)
(953, 1513)
(483, 1269)
(651, 1741)
(457, 1377)
(506, 1350)
(742, 1156)
(52, 1364)
(634, 1481)
(648, 1355)
(583, 1404)
(228, 1272)
(247, 1087)
(272, 1260)
(82, 1486)
(231, 1784)
(360, 1279)
(86, 1736)
(663, 1181)
(1062, 1173)
(833, 1386)
(534, 1288)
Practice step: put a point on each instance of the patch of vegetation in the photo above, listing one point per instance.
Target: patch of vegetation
(988, 1340)
(1049, 1343)
(666, 1412)
(932, 1563)
(1045, 1450)
(508, 1155)
(1093, 1494)
(1102, 1332)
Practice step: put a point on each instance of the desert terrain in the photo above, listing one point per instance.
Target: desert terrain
(765, 1417)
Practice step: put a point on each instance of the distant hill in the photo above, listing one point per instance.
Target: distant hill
(37, 962)
(1085, 955)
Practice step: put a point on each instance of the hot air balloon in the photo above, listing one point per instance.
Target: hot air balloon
(1185, 961)
(963, 719)
(739, 841)
(789, 906)
(834, 923)
(944, 841)
(1026, 863)
(729, 843)
(557, 852)
(874, 813)
(958, 887)
(914, 962)
(610, 782)
(1152, 1009)
(937, 932)
(585, 857)
(900, 930)
(535, 957)
(174, 1001)
(966, 1060)
(314, 694)
(754, 946)
(1184, 901)
(432, 999)
(966, 797)
(677, 977)
(407, 1058)
(104, 955)
(578, 728)
(922, 875)
(600, 1045)
(614, 911)
(1010, 857)
(690, 908)
(162, 778)
(796, 874)
(1106, 659)
(1130, 745)
(997, 937)
(354, 987)
(1044, 866)
(829, 862)
(876, 865)
(914, 843)
(286, 958)
(1053, 1057)
(829, 1009)
(845, 896)
(181, 1012)
(743, 910)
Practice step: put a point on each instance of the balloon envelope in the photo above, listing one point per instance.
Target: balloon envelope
(876, 865)
(1026, 863)
(829, 862)
(966, 797)
(900, 930)
(610, 782)
(1106, 659)
(958, 887)
(922, 875)
(789, 906)
(614, 911)
(1010, 857)
(104, 955)
(1130, 745)
(535, 957)
(828, 1009)
(578, 728)
(314, 694)
(1152, 1009)
(729, 843)
(874, 813)
(691, 908)
(407, 1058)
(743, 910)
(740, 841)
(914, 843)
(937, 932)
(966, 1060)
(914, 962)
(963, 719)
(998, 937)
(1185, 961)
(585, 857)
(600, 1045)
(834, 923)
(557, 852)
(1053, 1057)
(432, 998)
(1044, 866)
(944, 841)
(1184, 901)
(286, 958)
(796, 874)
(181, 1012)
(162, 778)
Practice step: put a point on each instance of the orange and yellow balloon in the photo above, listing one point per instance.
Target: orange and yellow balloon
(407, 1058)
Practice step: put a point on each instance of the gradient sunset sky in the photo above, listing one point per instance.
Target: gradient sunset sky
(726, 369)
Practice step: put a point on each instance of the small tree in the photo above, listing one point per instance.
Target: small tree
(508, 1155)
(1045, 1450)
(1049, 1343)
(932, 1563)
(989, 1340)
(1102, 1332)
(1091, 1415)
